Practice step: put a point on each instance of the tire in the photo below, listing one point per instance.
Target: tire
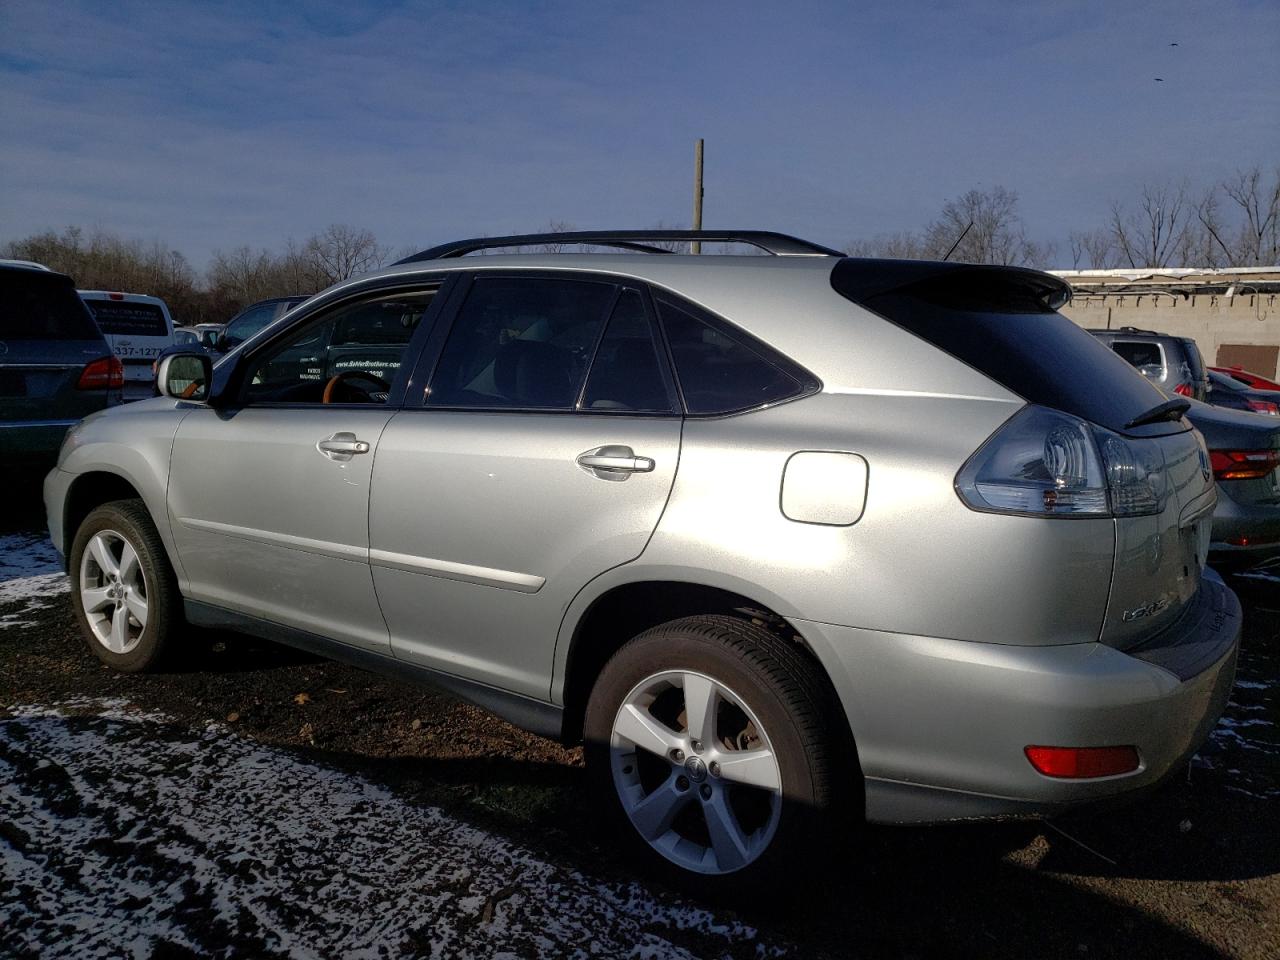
(673, 809)
(127, 611)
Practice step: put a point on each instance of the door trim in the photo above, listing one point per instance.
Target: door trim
(324, 548)
(449, 570)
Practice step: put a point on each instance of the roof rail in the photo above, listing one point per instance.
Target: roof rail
(777, 244)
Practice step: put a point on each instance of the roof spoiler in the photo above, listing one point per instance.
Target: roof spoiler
(863, 279)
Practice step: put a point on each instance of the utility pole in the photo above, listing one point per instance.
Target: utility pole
(696, 245)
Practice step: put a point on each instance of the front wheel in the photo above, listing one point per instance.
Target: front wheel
(712, 740)
(123, 589)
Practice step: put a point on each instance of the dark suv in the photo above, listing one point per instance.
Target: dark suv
(1172, 363)
(55, 365)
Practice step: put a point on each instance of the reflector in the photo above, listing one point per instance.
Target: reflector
(1080, 763)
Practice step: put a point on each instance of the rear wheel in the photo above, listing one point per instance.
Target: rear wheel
(123, 588)
(711, 740)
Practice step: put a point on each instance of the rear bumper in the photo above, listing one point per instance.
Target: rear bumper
(941, 725)
(33, 437)
(1256, 523)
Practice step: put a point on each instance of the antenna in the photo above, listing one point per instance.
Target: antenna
(957, 243)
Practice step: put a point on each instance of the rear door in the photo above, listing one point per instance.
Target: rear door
(540, 455)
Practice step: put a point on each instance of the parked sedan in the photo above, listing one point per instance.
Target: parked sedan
(1226, 391)
(1244, 454)
(1255, 380)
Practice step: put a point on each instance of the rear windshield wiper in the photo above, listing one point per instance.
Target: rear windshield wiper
(1169, 410)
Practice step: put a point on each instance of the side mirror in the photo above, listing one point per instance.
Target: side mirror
(185, 376)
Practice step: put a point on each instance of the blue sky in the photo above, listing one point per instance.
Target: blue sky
(213, 124)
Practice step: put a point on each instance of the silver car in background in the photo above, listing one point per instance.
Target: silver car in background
(787, 541)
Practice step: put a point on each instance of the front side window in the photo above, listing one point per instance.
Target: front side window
(248, 323)
(720, 373)
(521, 343)
(349, 355)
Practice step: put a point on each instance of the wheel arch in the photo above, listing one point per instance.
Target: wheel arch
(92, 488)
(622, 611)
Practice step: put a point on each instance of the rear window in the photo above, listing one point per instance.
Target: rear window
(35, 305)
(1008, 334)
(122, 318)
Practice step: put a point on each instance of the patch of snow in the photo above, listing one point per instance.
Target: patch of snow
(30, 574)
(139, 835)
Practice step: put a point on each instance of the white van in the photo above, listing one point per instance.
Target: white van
(137, 327)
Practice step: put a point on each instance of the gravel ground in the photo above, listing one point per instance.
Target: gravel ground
(261, 803)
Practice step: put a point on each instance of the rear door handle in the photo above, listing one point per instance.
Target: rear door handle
(614, 462)
(342, 446)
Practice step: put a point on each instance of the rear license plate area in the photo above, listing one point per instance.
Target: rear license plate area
(12, 384)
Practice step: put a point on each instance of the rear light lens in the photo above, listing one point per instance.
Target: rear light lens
(1082, 763)
(1184, 389)
(1243, 464)
(1046, 463)
(1264, 406)
(105, 373)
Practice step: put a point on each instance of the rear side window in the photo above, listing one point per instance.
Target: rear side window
(122, 318)
(626, 374)
(1008, 334)
(722, 372)
(1140, 355)
(521, 343)
(35, 305)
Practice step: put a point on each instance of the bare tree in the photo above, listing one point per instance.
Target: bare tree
(898, 246)
(1257, 241)
(340, 252)
(1093, 250)
(984, 226)
(1153, 233)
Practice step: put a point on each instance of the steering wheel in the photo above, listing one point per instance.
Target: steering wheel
(338, 388)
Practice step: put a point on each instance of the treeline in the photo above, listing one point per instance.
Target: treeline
(100, 260)
(1234, 223)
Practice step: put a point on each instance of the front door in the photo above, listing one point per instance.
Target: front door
(520, 477)
(270, 500)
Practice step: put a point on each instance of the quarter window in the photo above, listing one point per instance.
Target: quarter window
(350, 355)
(521, 343)
(718, 372)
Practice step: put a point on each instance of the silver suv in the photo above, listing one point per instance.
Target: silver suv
(787, 541)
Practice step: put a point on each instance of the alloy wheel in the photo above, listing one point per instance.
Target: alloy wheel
(113, 591)
(695, 772)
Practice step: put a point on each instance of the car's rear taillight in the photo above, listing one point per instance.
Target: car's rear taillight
(1243, 464)
(1080, 763)
(1264, 406)
(105, 373)
(1047, 463)
(1184, 389)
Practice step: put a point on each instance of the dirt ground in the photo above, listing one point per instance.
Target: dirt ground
(1193, 870)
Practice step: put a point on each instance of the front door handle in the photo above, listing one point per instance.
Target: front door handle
(342, 446)
(614, 462)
